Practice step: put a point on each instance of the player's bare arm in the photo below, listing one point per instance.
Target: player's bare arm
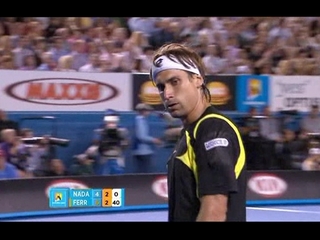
(213, 208)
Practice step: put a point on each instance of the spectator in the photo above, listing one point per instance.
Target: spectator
(80, 57)
(146, 59)
(65, 64)
(106, 152)
(311, 122)
(57, 168)
(147, 25)
(93, 65)
(29, 62)
(271, 135)
(270, 125)
(290, 150)
(213, 62)
(15, 151)
(113, 139)
(83, 166)
(39, 47)
(7, 63)
(53, 24)
(164, 34)
(173, 129)
(143, 143)
(40, 155)
(22, 50)
(7, 170)
(47, 62)
(312, 162)
(6, 123)
(249, 128)
(58, 48)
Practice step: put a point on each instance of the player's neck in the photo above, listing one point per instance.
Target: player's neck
(196, 113)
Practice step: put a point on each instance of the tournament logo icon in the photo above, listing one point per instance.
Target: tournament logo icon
(58, 197)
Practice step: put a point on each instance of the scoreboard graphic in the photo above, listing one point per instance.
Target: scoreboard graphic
(71, 198)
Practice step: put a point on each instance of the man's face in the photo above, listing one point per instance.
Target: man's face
(179, 93)
(111, 121)
(112, 124)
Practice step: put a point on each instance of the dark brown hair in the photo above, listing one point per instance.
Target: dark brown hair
(185, 56)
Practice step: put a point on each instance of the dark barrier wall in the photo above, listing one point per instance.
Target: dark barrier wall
(29, 197)
(32, 194)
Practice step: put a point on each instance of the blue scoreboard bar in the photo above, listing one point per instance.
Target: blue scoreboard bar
(73, 198)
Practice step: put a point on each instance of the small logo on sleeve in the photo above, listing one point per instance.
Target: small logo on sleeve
(216, 142)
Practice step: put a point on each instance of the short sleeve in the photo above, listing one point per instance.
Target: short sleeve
(216, 150)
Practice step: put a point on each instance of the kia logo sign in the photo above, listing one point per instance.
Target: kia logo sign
(267, 185)
(62, 91)
(160, 187)
(65, 183)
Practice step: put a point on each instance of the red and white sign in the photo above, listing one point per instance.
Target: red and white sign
(160, 187)
(294, 92)
(64, 91)
(267, 185)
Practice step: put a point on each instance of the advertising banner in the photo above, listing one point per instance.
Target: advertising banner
(222, 90)
(64, 91)
(144, 91)
(283, 185)
(252, 91)
(294, 93)
(39, 196)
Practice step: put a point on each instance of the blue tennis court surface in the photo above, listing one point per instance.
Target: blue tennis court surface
(285, 213)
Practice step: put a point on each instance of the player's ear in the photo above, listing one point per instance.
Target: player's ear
(198, 80)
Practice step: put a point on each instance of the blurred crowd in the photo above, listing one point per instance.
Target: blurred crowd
(254, 45)
(24, 154)
(228, 45)
(285, 140)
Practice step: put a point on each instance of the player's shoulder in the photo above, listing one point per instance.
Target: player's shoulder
(213, 120)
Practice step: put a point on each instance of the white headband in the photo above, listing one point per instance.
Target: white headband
(164, 63)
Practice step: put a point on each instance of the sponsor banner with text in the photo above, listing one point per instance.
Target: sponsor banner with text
(294, 92)
(252, 91)
(64, 91)
(222, 89)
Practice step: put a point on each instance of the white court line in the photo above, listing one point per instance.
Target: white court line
(282, 210)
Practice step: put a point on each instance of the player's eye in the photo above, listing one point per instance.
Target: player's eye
(160, 87)
(174, 82)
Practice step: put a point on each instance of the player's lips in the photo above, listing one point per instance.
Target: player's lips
(171, 105)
